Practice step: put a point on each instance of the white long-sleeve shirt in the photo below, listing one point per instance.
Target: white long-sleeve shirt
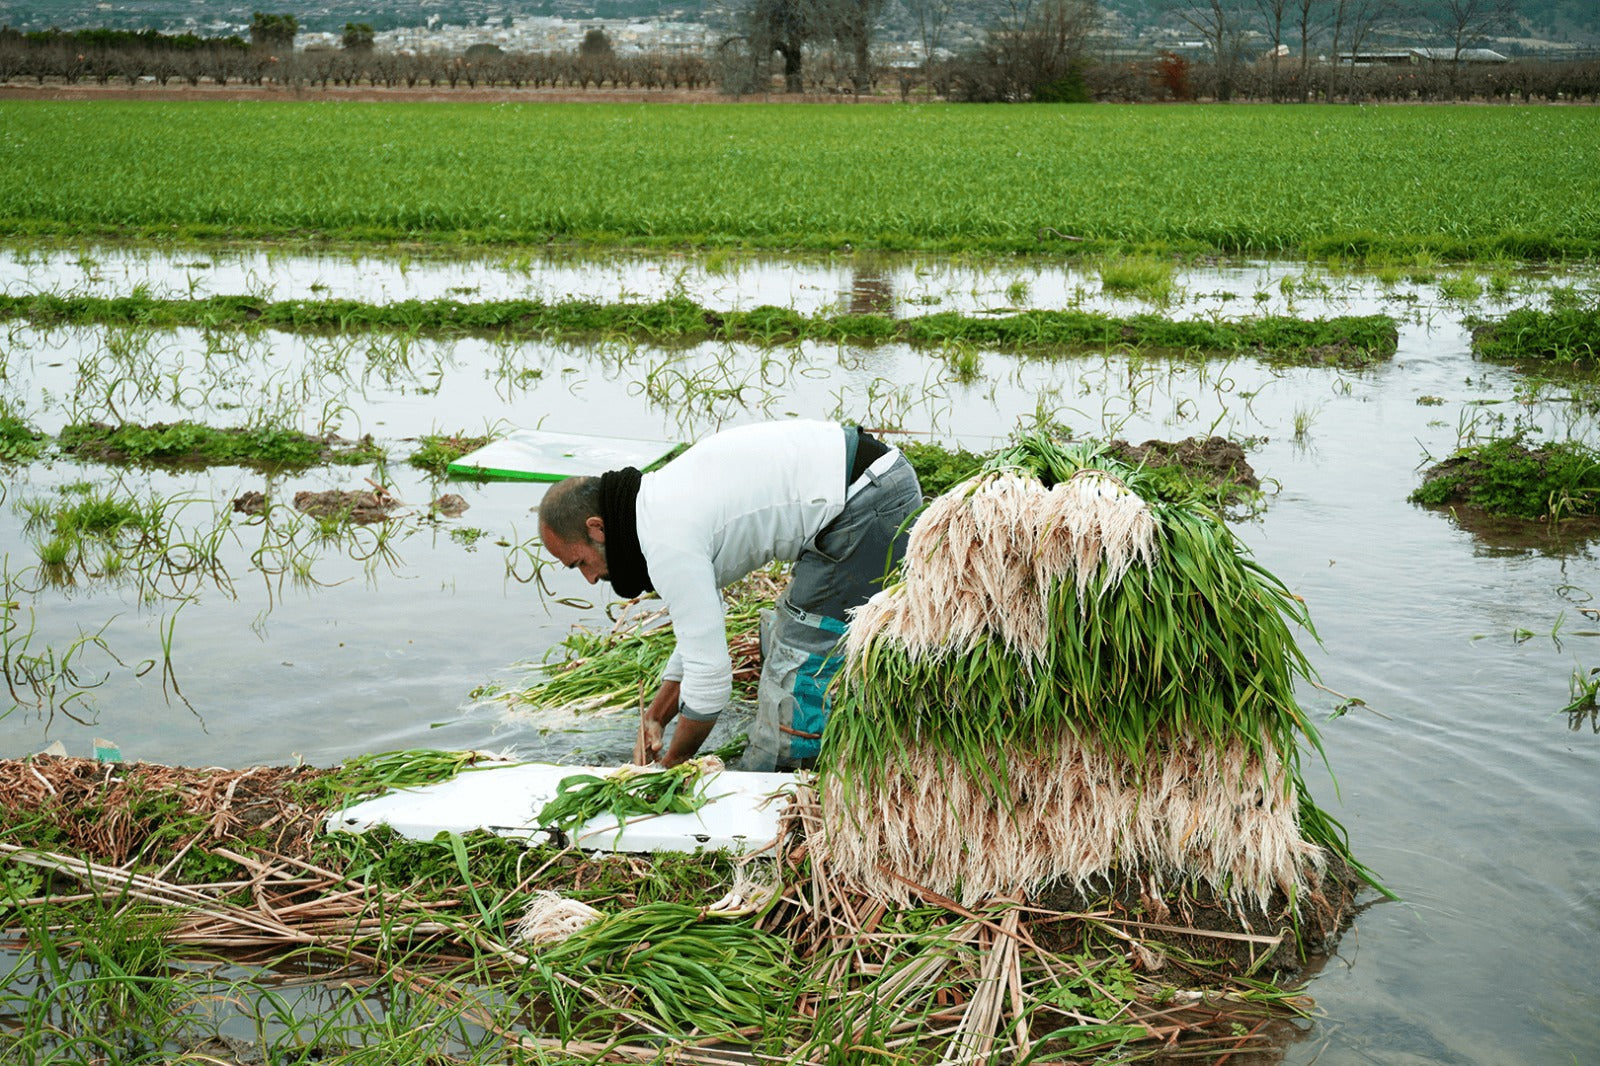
(732, 503)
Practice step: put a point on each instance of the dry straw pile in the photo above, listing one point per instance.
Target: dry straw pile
(1072, 680)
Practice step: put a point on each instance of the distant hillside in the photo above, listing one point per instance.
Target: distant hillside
(1552, 22)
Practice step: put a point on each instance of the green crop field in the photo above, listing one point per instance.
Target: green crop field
(1454, 182)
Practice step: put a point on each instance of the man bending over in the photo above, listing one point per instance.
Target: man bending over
(832, 499)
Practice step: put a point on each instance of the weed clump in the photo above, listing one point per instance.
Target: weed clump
(266, 448)
(19, 441)
(937, 467)
(1562, 334)
(1507, 476)
(97, 533)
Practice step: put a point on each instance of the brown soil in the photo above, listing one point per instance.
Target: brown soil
(347, 505)
(1213, 460)
(350, 505)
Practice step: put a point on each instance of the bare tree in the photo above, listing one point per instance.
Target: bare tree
(1221, 24)
(1312, 18)
(1273, 13)
(853, 24)
(930, 18)
(1353, 21)
(782, 26)
(1461, 22)
(1035, 51)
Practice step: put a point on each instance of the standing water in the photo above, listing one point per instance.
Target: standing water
(1460, 781)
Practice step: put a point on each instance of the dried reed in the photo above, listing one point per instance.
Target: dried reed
(799, 968)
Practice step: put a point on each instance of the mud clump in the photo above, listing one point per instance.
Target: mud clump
(1215, 461)
(346, 505)
(358, 506)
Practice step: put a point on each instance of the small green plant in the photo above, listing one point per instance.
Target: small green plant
(1146, 277)
(1584, 690)
(1460, 288)
(468, 536)
(962, 361)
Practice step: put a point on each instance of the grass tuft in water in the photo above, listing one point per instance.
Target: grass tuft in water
(436, 451)
(1148, 278)
(1512, 477)
(1357, 340)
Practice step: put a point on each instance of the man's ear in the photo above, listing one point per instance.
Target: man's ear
(597, 528)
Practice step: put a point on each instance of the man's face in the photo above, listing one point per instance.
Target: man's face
(587, 556)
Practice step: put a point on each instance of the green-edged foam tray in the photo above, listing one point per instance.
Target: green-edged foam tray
(548, 455)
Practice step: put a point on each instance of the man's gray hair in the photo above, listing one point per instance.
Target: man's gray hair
(568, 505)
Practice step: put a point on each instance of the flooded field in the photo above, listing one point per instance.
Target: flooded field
(265, 639)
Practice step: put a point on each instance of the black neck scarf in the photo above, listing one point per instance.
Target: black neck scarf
(619, 490)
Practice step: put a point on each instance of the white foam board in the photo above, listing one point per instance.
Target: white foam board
(546, 455)
(741, 813)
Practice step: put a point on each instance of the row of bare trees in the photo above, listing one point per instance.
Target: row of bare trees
(1519, 82)
(352, 67)
(1017, 67)
(1046, 50)
(1289, 32)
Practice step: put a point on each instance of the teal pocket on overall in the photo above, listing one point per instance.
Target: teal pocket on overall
(811, 689)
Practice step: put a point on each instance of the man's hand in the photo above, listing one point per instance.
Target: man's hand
(648, 749)
(653, 722)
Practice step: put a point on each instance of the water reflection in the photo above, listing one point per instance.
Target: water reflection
(871, 288)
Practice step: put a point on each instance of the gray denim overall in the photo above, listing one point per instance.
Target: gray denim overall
(837, 570)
